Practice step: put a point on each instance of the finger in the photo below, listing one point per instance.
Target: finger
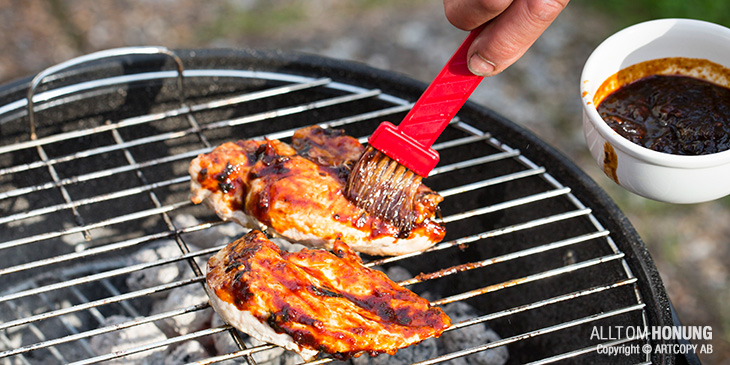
(507, 37)
(469, 14)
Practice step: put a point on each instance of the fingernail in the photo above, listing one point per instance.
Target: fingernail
(480, 66)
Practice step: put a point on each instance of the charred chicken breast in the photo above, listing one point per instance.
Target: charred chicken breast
(315, 301)
(297, 192)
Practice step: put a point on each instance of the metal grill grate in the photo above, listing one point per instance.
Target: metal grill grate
(99, 180)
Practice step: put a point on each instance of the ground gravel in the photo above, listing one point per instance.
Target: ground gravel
(689, 243)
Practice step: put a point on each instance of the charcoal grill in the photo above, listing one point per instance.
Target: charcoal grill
(93, 166)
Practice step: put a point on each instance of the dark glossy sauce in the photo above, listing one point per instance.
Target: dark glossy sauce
(326, 301)
(671, 114)
(323, 156)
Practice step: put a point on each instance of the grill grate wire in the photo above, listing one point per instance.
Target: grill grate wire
(71, 275)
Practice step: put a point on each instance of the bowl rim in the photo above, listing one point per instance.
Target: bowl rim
(620, 142)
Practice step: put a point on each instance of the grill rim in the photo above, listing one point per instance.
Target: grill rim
(583, 187)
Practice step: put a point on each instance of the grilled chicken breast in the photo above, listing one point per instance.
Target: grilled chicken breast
(314, 300)
(297, 192)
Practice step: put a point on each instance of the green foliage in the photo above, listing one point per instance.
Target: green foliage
(627, 12)
(279, 15)
(255, 20)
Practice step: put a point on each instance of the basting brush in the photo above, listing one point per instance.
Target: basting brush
(386, 179)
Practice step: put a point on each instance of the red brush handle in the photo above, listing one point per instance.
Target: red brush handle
(410, 142)
(443, 98)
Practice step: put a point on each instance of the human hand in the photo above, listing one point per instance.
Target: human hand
(512, 26)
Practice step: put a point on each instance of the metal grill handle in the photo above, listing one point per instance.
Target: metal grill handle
(110, 53)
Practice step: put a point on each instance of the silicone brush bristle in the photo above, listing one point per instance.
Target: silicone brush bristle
(384, 188)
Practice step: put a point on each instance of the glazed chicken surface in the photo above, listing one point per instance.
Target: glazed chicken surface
(297, 192)
(315, 300)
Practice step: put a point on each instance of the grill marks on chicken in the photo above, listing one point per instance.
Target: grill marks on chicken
(314, 300)
(297, 191)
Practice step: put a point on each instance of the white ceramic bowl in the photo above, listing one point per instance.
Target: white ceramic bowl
(655, 175)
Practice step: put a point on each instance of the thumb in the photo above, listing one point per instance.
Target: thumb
(508, 36)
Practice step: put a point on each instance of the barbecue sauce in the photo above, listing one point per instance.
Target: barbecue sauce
(669, 113)
(325, 301)
(317, 154)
